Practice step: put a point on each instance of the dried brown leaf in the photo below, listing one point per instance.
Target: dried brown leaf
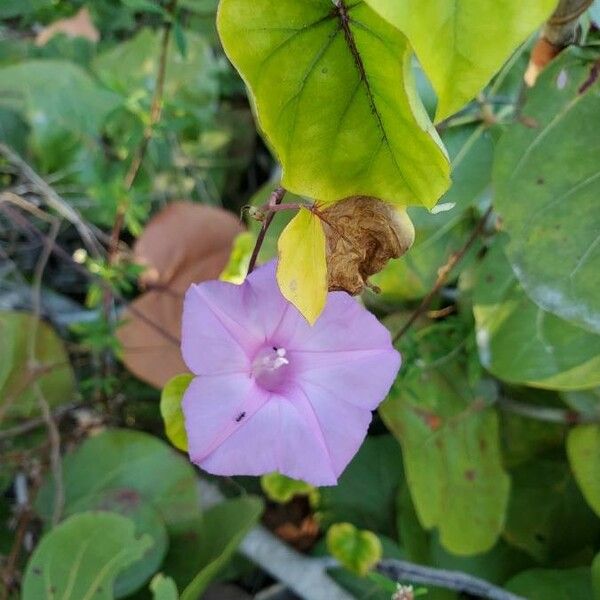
(78, 26)
(363, 233)
(185, 243)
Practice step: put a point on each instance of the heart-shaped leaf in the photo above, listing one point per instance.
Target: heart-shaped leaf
(335, 98)
(359, 551)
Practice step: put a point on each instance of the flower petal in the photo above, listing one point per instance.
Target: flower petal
(343, 325)
(343, 425)
(265, 303)
(212, 341)
(278, 437)
(360, 378)
(216, 406)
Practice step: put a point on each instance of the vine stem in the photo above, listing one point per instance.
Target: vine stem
(443, 273)
(451, 580)
(274, 200)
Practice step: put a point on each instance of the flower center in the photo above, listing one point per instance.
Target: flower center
(269, 367)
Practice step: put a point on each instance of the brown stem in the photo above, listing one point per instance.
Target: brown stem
(155, 114)
(275, 199)
(443, 273)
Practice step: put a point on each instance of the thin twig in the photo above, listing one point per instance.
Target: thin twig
(401, 570)
(24, 225)
(275, 199)
(53, 433)
(155, 114)
(53, 200)
(443, 273)
(547, 414)
(36, 422)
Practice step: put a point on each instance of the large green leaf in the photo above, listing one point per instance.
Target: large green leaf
(547, 516)
(521, 342)
(81, 557)
(335, 97)
(59, 100)
(133, 462)
(547, 179)
(52, 371)
(223, 528)
(366, 491)
(553, 584)
(462, 44)
(451, 450)
(583, 449)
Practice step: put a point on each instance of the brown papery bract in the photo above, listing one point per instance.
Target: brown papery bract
(362, 233)
(185, 243)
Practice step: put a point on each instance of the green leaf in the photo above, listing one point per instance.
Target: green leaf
(583, 449)
(282, 489)
(55, 378)
(61, 102)
(521, 342)
(20, 8)
(585, 402)
(548, 200)
(239, 259)
(358, 551)
(131, 67)
(148, 523)
(180, 39)
(346, 118)
(366, 491)
(81, 558)
(461, 45)
(451, 451)
(170, 409)
(224, 527)
(163, 588)
(553, 584)
(145, 6)
(126, 460)
(302, 267)
(547, 516)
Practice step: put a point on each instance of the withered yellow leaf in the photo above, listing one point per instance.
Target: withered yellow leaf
(302, 268)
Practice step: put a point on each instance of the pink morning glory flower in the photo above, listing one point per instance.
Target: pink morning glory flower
(272, 393)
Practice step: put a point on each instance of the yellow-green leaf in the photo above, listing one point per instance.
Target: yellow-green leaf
(170, 409)
(463, 43)
(357, 550)
(237, 266)
(302, 267)
(335, 97)
(282, 489)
